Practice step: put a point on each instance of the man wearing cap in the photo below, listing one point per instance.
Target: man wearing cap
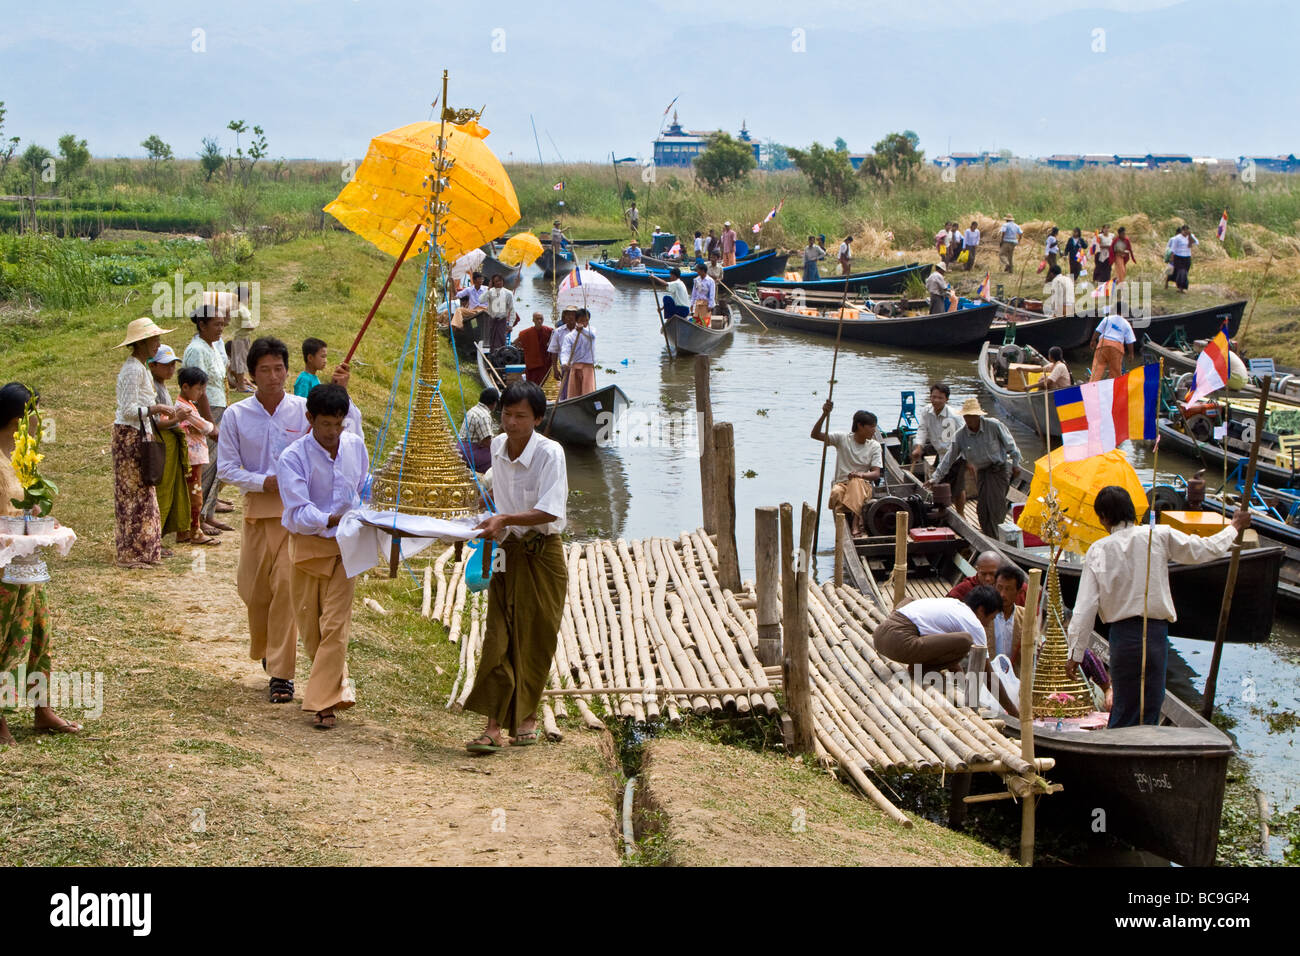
(942, 298)
(1110, 339)
(1010, 239)
(557, 238)
(992, 458)
(728, 244)
(479, 429)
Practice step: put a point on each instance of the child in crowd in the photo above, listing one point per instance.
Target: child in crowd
(244, 322)
(197, 430)
(315, 354)
(321, 476)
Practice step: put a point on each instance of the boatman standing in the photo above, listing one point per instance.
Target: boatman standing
(942, 298)
(858, 463)
(527, 591)
(992, 459)
(1116, 587)
(501, 317)
(254, 434)
(1112, 337)
(704, 295)
(728, 244)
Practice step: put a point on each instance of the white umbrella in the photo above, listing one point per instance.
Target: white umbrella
(468, 263)
(585, 289)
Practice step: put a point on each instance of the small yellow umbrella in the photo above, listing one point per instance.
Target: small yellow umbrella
(1076, 484)
(521, 249)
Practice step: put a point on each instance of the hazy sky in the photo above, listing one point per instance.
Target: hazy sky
(1206, 77)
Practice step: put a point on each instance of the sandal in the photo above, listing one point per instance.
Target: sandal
(324, 721)
(484, 744)
(168, 553)
(281, 691)
(525, 738)
(62, 727)
(205, 539)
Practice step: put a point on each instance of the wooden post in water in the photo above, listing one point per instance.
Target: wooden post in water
(1225, 609)
(767, 584)
(704, 431)
(724, 503)
(841, 538)
(796, 680)
(900, 556)
(1028, 635)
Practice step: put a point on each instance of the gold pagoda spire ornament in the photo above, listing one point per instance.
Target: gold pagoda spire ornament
(423, 475)
(1050, 677)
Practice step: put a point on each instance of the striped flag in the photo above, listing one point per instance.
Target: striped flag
(573, 280)
(558, 186)
(1211, 368)
(1104, 290)
(1081, 256)
(1098, 416)
(670, 105)
(768, 218)
(1223, 225)
(984, 291)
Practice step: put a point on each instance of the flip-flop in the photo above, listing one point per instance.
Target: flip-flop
(476, 746)
(525, 738)
(67, 727)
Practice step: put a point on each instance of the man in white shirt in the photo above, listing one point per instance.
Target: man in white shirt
(845, 255)
(1180, 253)
(674, 290)
(942, 298)
(938, 425)
(971, 239)
(1010, 239)
(254, 434)
(501, 317)
(579, 356)
(704, 292)
(568, 321)
(321, 476)
(529, 579)
(937, 633)
(1115, 586)
(473, 302)
(858, 463)
(1058, 295)
(1111, 338)
(633, 218)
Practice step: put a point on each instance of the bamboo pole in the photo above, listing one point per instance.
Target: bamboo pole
(651, 690)
(841, 537)
(767, 583)
(795, 627)
(704, 435)
(439, 573)
(900, 556)
(1225, 609)
(1028, 635)
(426, 600)
(724, 501)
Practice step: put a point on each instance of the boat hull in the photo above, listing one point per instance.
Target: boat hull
(962, 329)
(688, 338)
(1028, 408)
(742, 273)
(584, 422)
(880, 282)
(1042, 332)
(1212, 455)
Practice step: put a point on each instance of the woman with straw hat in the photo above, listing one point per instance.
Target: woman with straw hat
(139, 531)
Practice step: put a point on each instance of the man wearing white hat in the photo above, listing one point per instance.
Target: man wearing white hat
(992, 458)
(728, 244)
(942, 298)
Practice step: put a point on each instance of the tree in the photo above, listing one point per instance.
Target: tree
(257, 149)
(829, 171)
(894, 160)
(724, 161)
(840, 145)
(775, 156)
(7, 146)
(75, 153)
(158, 152)
(210, 158)
(912, 138)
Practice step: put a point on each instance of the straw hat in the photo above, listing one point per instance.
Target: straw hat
(141, 329)
(941, 266)
(972, 407)
(1009, 218)
(727, 223)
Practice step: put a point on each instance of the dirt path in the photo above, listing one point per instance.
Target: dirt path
(375, 793)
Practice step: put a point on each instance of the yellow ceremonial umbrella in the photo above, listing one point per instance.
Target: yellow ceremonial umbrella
(1075, 484)
(388, 198)
(521, 249)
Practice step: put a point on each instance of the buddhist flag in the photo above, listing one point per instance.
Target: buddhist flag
(558, 186)
(1099, 416)
(769, 217)
(984, 290)
(1223, 225)
(1104, 290)
(670, 105)
(1211, 368)
(573, 280)
(676, 250)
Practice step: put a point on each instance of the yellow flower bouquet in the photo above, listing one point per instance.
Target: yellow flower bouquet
(38, 491)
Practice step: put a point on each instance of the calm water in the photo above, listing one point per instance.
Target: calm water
(771, 386)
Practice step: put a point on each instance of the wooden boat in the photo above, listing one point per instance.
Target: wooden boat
(742, 273)
(1028, 408)
(1197, 589)
(1273, 532)
(691, 338)
(1041, 331)
(1193, 439)
(545, 240)
(1196, 324)
(687, 262)
(964, 328)
(510, 275)
(585, 422)
(553, 265)
(892, 279)
(1162, 786)
(1285, 386)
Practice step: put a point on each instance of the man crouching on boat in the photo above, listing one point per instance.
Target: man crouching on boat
(1115, 587)
(858, 462)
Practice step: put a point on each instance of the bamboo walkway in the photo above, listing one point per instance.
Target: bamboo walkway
(650, 634)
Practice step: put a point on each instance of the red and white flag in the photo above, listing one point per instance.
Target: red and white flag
(1211, 368)
(558, 186)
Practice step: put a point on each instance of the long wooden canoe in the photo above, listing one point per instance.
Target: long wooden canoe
(691, 338)
(1211, 454)
(1196, 324)
(1028, 408)
(962, 329)
(1041, 331)
(892, 279)
(1161, 787)
(742, 273)
(585, 422)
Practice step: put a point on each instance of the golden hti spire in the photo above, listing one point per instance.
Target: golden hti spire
(1050, 676)
(424, 475)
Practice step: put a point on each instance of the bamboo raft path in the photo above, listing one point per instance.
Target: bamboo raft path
(649, 633)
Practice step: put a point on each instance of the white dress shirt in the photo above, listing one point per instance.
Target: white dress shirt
(704, 289)
(1181, 245)
(352, 423)
(944, 615)
(972, 238)
(537, 479)
(500, 303)
(556, 343)
(253, 439)
(579, 348)
(677, 289)
(314, 486)
(1115, 576)
(938, 430)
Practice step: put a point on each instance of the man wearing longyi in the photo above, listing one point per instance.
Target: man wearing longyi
(530, 487)
(254, 433)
